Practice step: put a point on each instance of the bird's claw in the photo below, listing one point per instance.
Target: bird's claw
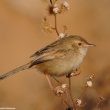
(74, 73)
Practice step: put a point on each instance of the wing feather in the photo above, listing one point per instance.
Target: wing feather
(46, 49)
(49, 52)
(50, 56)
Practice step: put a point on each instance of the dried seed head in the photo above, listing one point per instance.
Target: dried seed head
(59, 92)
(46, 26)
(64, 86)
(56, 10)
(61, 35)
(89, 83)
(66, 5)
(92, 76)
(78, 102)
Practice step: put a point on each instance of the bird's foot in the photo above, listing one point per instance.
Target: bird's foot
(74, 73)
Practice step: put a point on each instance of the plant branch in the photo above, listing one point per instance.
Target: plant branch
(69, 81)
(56, 28)
(51, 2)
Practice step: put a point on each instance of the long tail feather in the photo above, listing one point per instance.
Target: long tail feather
(14, 71)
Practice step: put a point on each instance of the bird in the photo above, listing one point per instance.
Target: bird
(58, 58)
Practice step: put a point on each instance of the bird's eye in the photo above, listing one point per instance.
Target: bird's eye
(79, 43)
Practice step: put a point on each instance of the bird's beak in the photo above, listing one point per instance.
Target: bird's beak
(90, 45)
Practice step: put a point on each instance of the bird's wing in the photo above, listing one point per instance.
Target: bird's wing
(48, 48)
(49, 56)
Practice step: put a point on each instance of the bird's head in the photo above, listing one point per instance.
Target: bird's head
(79, 44)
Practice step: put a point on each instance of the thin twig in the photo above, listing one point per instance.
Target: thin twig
(100, 102)
(56, 28)
(69, 81)
(56, 80)
(65, 102)
(55, 18)
(51, 2)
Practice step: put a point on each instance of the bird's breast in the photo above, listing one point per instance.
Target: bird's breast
(61, 66)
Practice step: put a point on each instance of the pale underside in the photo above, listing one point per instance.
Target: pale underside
(60, 66)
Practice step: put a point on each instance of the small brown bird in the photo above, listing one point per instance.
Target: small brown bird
(57, 59)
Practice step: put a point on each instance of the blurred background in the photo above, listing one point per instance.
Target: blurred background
(21, 35)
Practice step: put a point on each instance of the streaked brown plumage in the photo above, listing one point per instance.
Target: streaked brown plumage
(57, 59)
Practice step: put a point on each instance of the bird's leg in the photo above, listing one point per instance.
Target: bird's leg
(49, 82)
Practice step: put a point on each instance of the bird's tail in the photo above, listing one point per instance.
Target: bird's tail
(14, 71)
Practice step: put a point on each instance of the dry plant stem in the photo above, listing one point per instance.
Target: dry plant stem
(101, 100)
(69, 81)
(56, 29)
(52, 88)
(51, 2)
(64, 101)
(55, 17)
(56, 80)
